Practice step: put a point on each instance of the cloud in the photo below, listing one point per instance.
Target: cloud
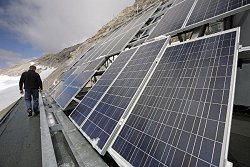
(53, 25)
(9, 58)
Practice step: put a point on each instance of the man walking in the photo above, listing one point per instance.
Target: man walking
(32, 83)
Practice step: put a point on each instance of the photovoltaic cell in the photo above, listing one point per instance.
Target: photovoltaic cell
(68, 73)
(101, 123)
(72, 85)
(206, 9)
(119, 38)
(181, 117)
(176, 2)
(82, 79)
(72, 76)
(127, 26)
(66, 96)
(101, 49)
(94, 95)
(95, 64)
(112, 43)
(83, 67)
(82, 58)
(173, 19)
(146, 15)
(87, 56)
(93, 53)
(58, 90)
(122, 43)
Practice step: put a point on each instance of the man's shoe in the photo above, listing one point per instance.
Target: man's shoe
(29, 112)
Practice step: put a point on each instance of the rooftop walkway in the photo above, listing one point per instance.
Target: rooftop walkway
(20, 139)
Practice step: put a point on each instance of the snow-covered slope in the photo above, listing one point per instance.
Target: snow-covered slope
(9, 91)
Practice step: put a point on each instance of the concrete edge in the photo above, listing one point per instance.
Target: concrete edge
(48, 153)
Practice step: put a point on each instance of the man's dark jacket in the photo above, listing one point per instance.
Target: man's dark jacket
(31, 80)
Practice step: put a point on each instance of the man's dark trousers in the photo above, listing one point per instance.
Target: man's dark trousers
(29, 95)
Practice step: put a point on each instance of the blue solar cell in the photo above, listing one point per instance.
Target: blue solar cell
(95, 64)
(101, 49)
(66, 96)
(68, 73)
(113, 105)
(111, 44)
(173, 19)
(82, 79)
(145, 16)
(125, 40)
(58, 90)
(176, 131)
(94, 95)
(207, 9)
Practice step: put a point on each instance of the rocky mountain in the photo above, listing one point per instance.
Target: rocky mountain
(63, 59)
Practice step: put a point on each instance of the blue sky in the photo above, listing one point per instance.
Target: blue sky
(31, 28)
(13, 51)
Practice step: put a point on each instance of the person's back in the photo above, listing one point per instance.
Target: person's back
(31, 80)
(32, 83)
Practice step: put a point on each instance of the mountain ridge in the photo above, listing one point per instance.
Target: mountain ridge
(67, 56)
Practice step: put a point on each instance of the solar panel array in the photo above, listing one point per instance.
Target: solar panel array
(89, 101)
(172, 112)
(94, 57)
(77, 79)
(73, 88)
(82, 78)
(66, 96)
(103, 120)
(117, 40)
(58, 90)
(186, 14)
(207, 9)
(182, 115)
(173, 19)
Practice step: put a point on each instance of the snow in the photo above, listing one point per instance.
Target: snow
(9, 89)
(7, 81)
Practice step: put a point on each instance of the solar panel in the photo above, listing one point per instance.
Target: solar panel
(206, 9)
(77, 79)
(86, 56)
(173, 19)
(183, 116)
(68, 73)
(101, 123)
(95, 64)
(66, 96)
(101, 49)
(80, 61)
(119, 38)
(72, 76)
(77, 71)
(58, 90)
(96, 49)
(95, 94)
(82, 79)
(112, 43)
(82, 57)
(145, 15)
(176, 2)
(83, 67)
(125, 40)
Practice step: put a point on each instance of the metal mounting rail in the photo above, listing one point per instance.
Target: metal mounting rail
(48, 153)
